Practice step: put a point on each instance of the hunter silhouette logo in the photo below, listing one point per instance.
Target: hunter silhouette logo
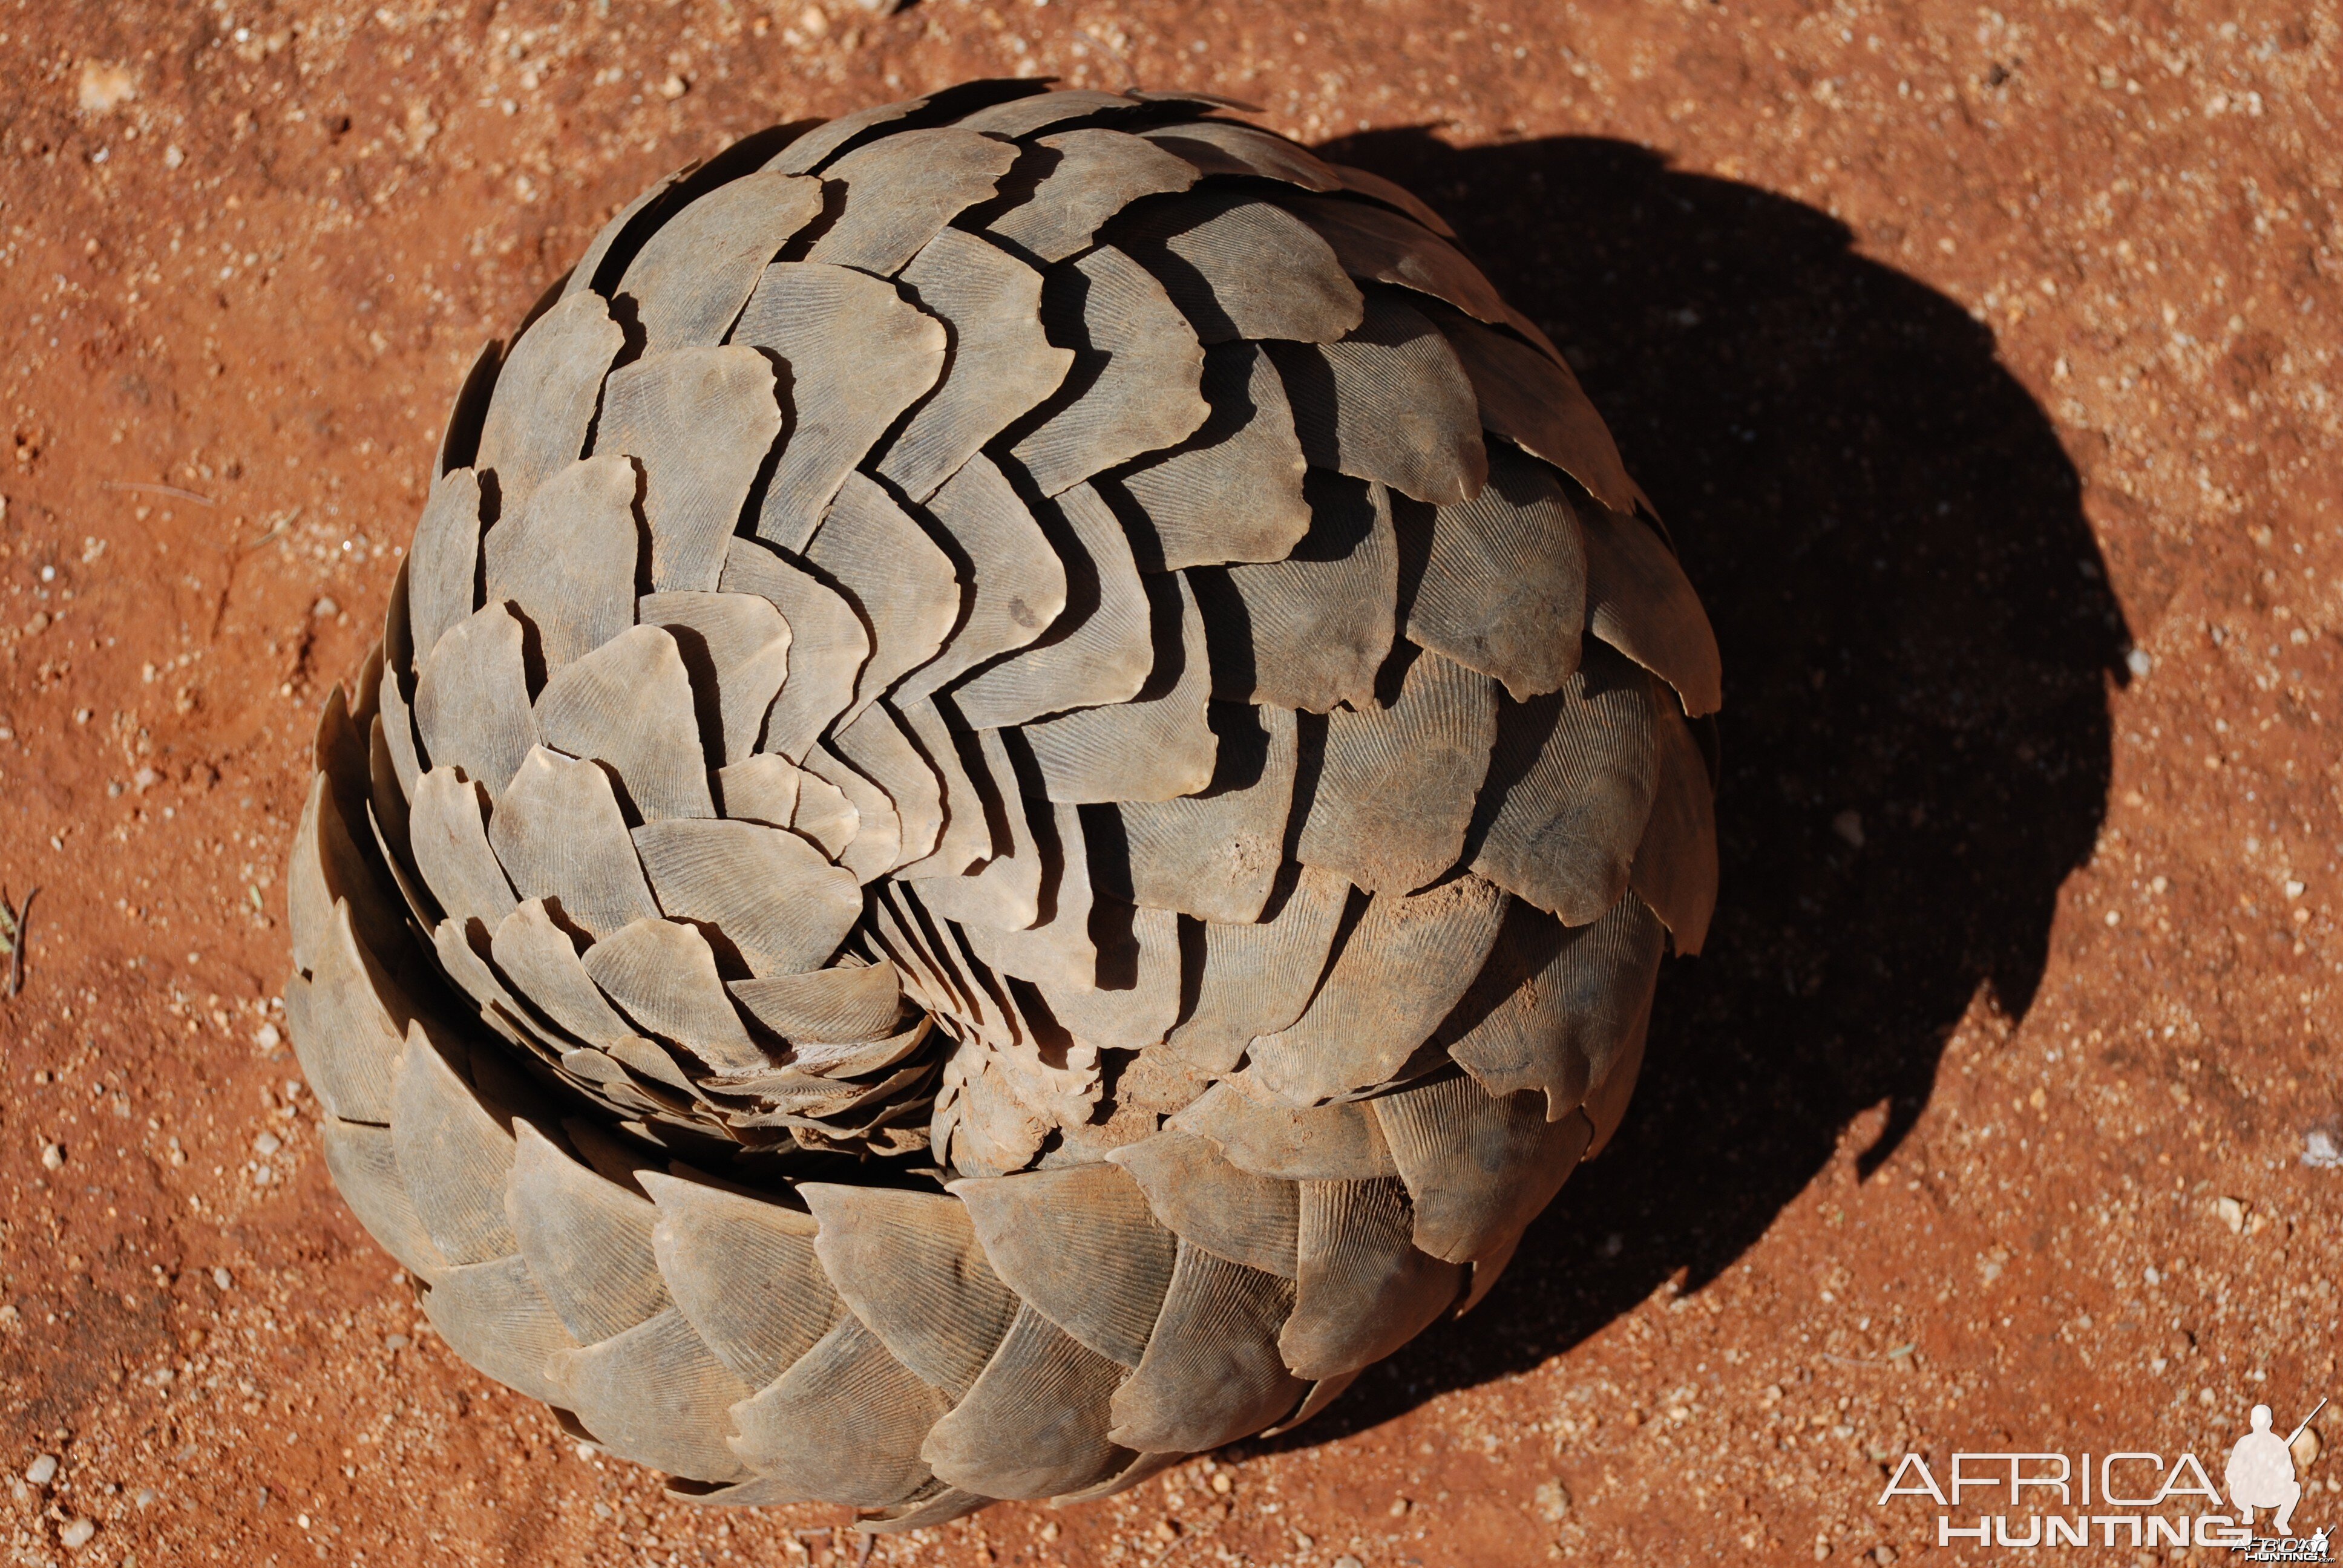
(2260, 1475)
(2261, 1471)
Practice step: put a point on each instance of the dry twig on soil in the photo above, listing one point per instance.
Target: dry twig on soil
(13, 918)
(172, 490)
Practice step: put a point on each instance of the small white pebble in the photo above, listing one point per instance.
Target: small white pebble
(146, 1496)
(76, 1534)
(52, 1157)
(263, 1177)
(267, 1037)
(302, 1519)
(325, 606)
(222, 1278)
(394, 1342)
(2139, 662)
(267, 1144)
(585, 1451)
(42, 1471)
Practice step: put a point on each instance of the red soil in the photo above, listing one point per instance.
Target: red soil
(1984, 364)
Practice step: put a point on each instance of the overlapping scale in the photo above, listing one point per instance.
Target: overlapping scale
(1047, 768)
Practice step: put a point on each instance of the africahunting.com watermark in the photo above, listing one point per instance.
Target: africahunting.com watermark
(2126, 1499)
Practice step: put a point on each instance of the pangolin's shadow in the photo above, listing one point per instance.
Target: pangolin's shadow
(1918, 639)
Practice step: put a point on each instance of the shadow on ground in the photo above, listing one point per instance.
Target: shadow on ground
(1917, 637)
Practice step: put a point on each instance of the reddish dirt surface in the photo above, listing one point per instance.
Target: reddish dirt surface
(1984, 365)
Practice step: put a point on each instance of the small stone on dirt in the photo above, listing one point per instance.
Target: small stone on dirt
(103, 86)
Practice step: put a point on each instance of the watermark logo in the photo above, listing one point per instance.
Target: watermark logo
(2130, 1499)
(2261, 1471)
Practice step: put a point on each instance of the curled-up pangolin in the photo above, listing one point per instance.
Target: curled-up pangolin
(1020, 802)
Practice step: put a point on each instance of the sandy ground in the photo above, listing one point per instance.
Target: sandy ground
(1983, 363)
